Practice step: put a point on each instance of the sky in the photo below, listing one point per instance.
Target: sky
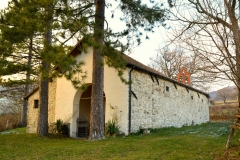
(141, 53)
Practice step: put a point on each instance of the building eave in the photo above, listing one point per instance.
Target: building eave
(31, 93)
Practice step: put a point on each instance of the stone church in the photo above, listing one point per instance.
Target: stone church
(151, 101)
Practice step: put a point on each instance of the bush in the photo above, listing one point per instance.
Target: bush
(141, 132)
(60, 127)
(137, 133)
(9, 121)
(111, 128)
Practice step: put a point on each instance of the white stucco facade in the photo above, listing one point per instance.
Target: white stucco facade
(68, 98)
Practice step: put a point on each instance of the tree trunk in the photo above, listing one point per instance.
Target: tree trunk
(43, 110)
(43, 88)
(229, 138)
(27, 85)
(96, 117)
(238, 98)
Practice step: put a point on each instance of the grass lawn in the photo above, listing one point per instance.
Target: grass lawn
(206, 141)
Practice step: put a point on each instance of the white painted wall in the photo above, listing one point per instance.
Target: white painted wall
(68, 98)
(116, 95)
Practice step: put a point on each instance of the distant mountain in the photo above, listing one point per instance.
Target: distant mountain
(213, 95)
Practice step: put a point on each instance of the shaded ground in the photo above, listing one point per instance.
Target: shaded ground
(231, 154)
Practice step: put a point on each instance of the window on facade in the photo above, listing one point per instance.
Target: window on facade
(36, 103)
(192, 97)
(202, 100)
(167, 88)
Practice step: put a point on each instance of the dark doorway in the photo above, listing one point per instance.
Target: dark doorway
(83, 122)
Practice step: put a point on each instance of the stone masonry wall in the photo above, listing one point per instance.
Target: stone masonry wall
(52, 101)
(156, 108)
(33, 113)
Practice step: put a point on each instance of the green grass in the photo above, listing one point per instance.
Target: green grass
(206, 141)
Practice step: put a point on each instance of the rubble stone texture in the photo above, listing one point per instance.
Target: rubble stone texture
(156, 108)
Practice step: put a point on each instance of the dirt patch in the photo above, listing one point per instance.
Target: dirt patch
(232, 153)
(223, 112)
(226, 112)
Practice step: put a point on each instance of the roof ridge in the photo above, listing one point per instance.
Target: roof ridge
(144, 65)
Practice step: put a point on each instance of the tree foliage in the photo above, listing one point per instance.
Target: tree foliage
(51, 24)
(33, 18)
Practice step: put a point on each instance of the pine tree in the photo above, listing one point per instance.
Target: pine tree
(96, 115)
(136, 15)
(39, 19)
(15, 33)
(58, 21)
